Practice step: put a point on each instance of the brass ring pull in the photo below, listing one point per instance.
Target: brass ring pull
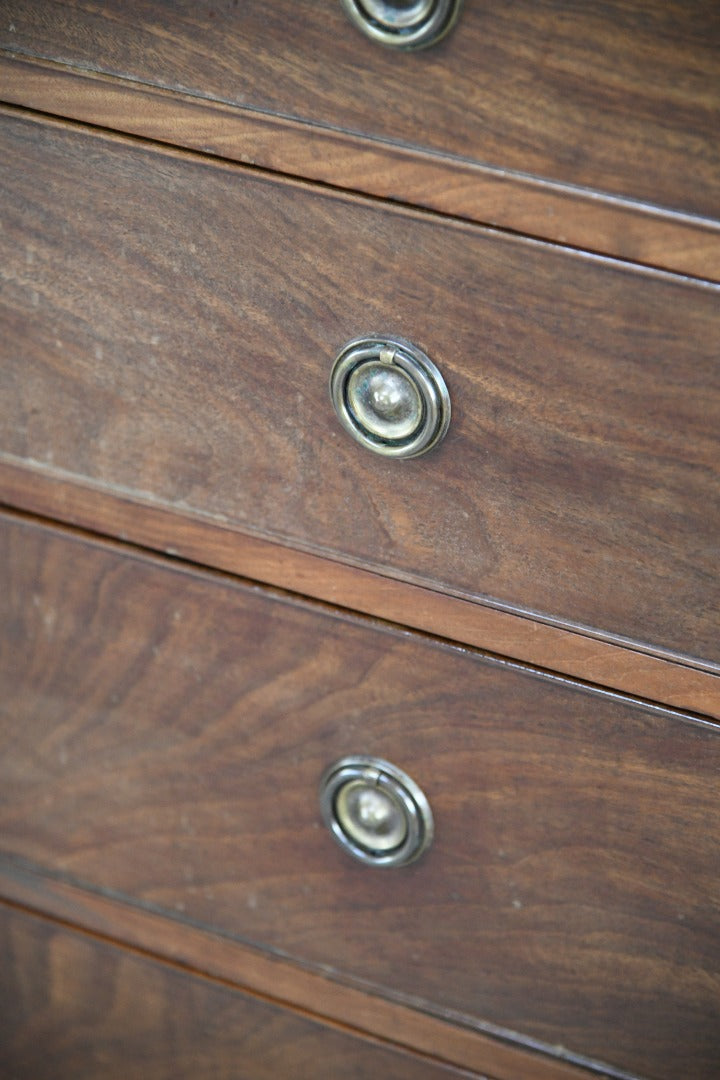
(375, 811)
(403, 24)
(390, 396)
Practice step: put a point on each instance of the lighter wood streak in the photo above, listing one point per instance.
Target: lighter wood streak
(277, 979)
(553, 211)
(590, 659)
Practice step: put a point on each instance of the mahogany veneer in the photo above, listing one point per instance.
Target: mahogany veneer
(164, 733)
(202, 203)
(75, 1006)
(169, 329)
(615, 102)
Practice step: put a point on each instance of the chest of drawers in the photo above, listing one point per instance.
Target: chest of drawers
(211, 593)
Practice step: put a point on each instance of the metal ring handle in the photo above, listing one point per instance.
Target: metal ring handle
(375, 811)
(404, 24)
(390, 396)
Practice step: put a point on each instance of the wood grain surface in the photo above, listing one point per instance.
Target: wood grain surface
(661, 679)
(168, 327)
(564, 213)
(163, 734)
(620, 96)
(279, 980)
(75, 1007)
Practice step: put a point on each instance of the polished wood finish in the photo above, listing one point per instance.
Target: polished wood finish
(563, 213)
(587, 658)
(167, 320)
(620, 97)
(168, 328)
(281, 981)
(164, 733)
(74, 1006)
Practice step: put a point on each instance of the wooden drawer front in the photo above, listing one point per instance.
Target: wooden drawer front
(74, 1006)
(620, 97)
(163, 736)
(167, 332)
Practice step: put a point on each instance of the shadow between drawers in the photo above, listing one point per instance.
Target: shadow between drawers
(602, 663)
(447, 1038)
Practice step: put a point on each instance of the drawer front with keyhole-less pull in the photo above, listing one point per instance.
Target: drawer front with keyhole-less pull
(464, 833)
(618, 98)
(168, 330)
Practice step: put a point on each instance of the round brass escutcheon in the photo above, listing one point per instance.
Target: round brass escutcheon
(390, 396)
(375, 811)
(403, 24)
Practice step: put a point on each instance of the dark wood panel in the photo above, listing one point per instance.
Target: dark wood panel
(620, 96)
(560, 650)
(163, 734)
(563, 213)
(220, 957)
(73, 1006)
(168, 328)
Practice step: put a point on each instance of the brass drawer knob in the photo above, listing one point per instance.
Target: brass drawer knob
(375, 811)
(403, 24)
(390, 396)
